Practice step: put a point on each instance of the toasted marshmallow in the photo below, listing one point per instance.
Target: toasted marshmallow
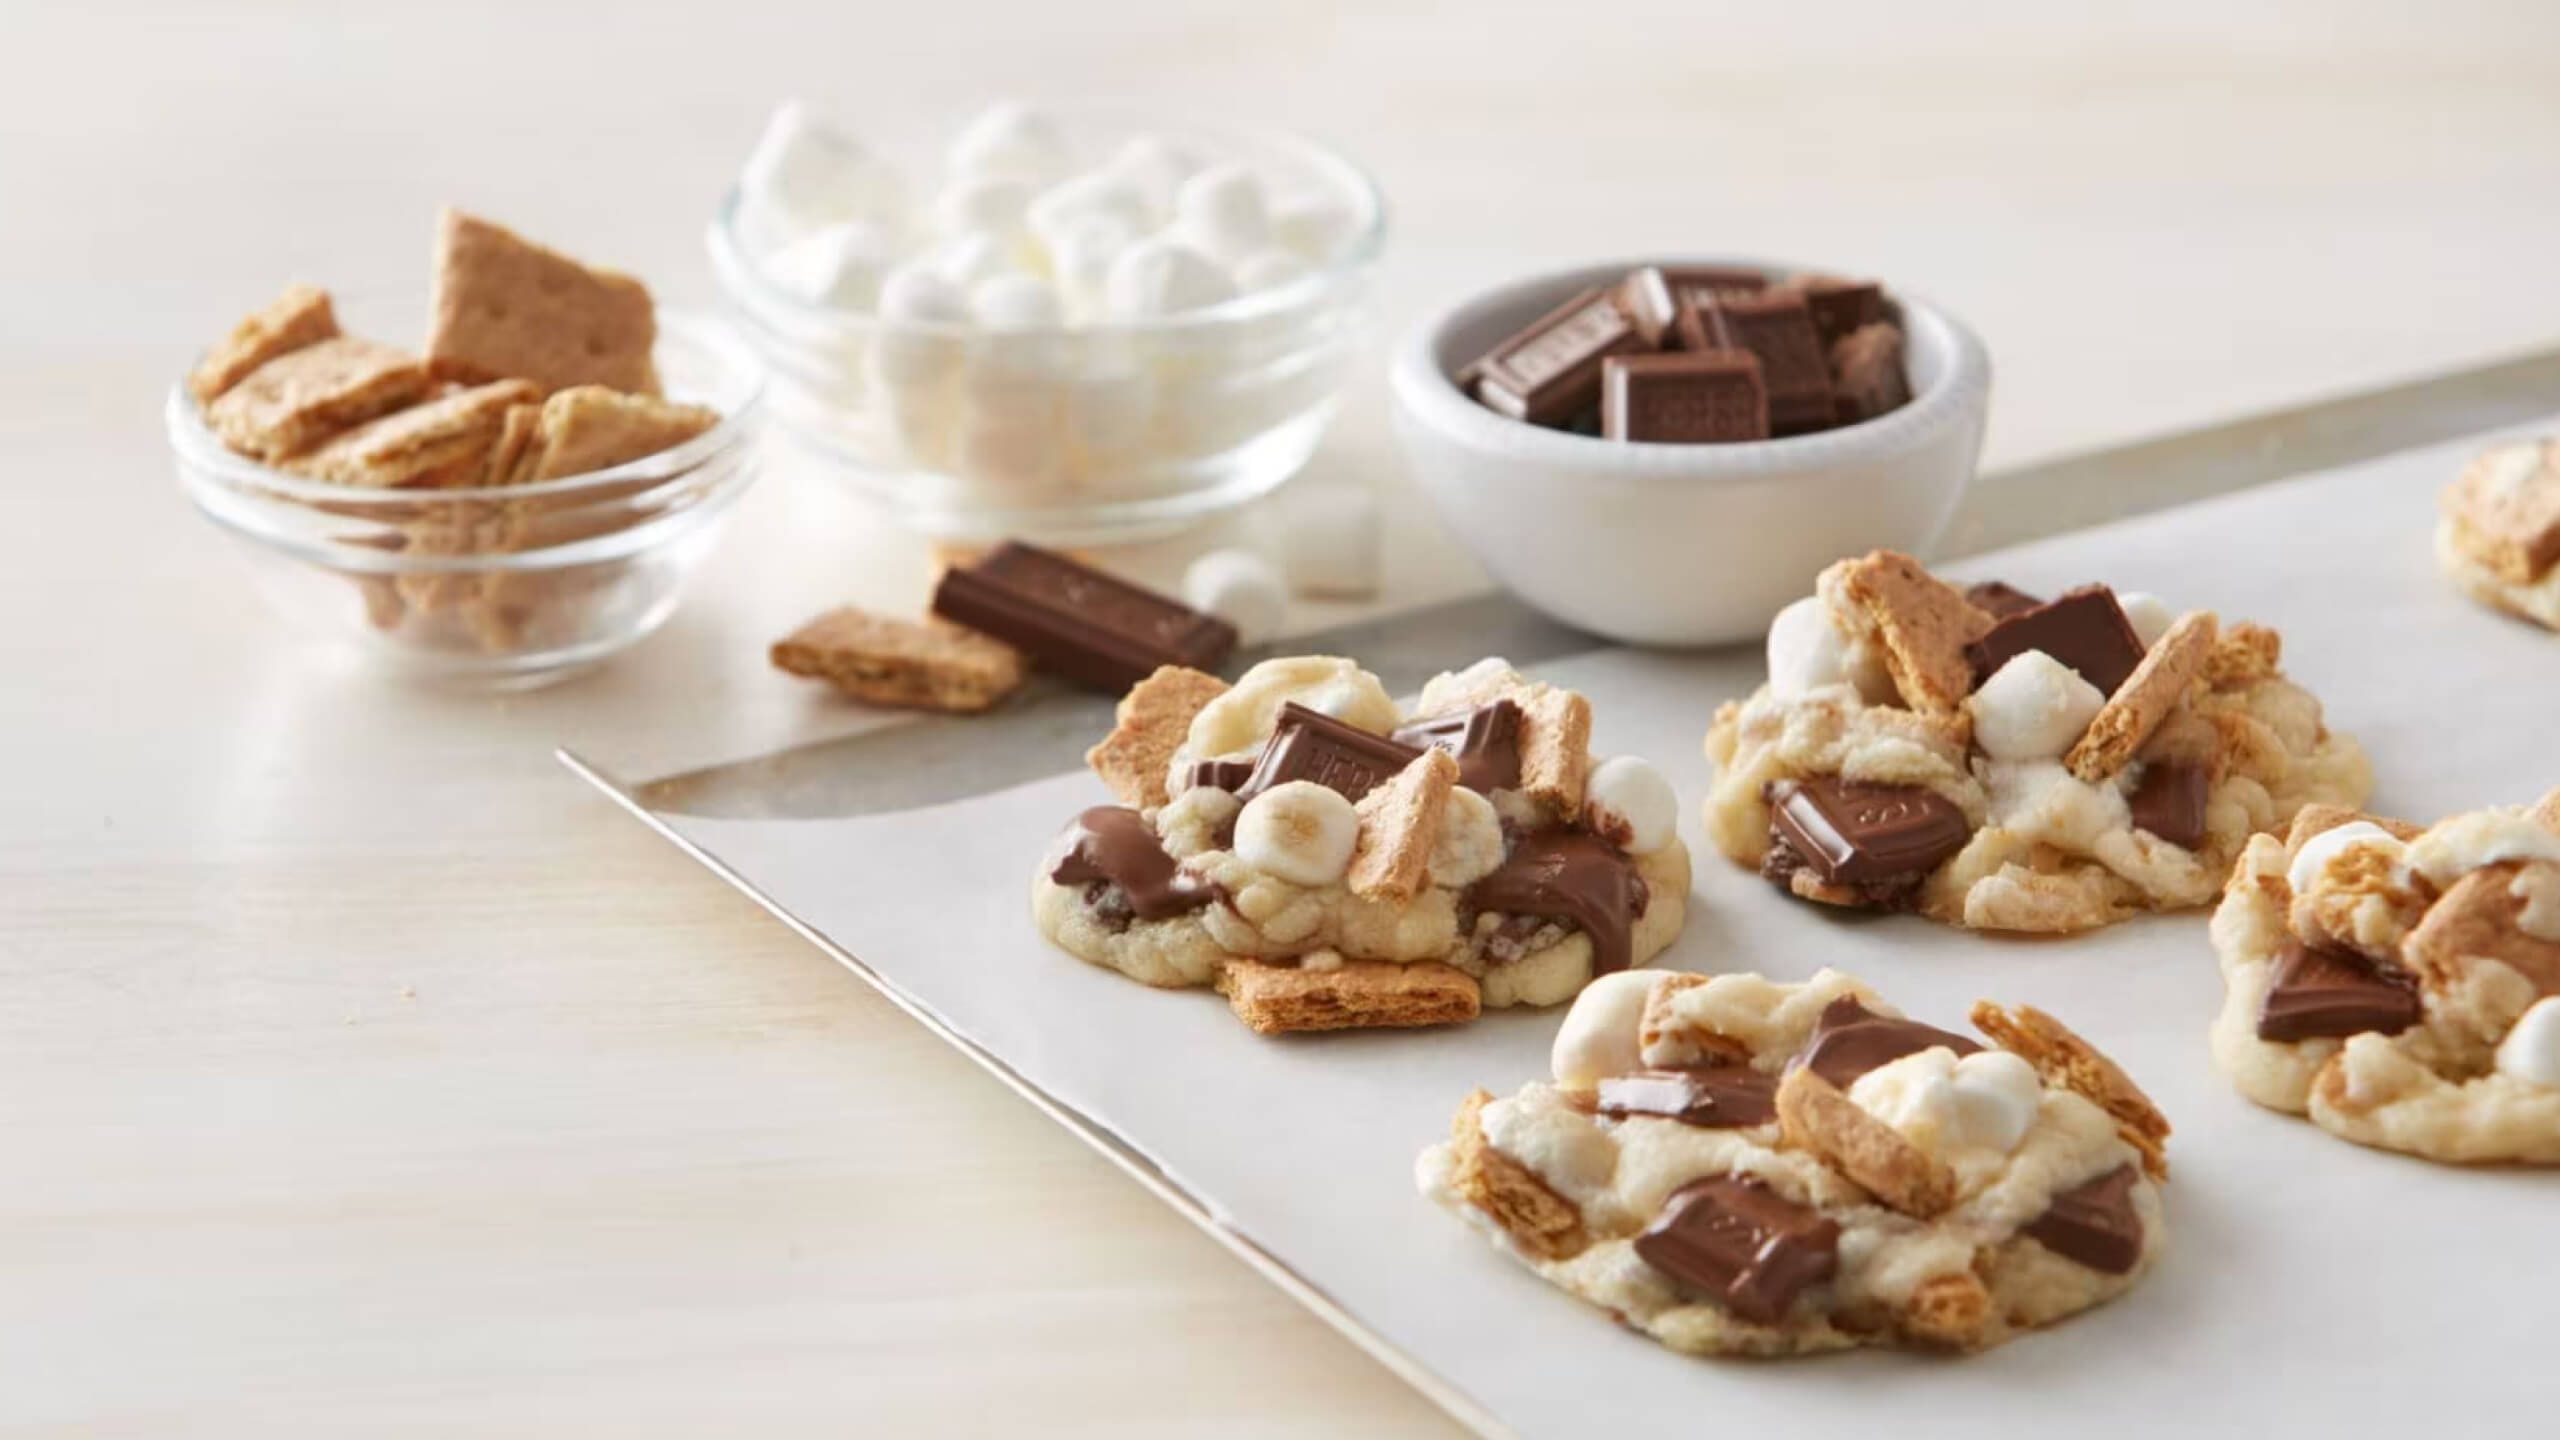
(840, 265)
(2531, 1051)
(1626, 797)
(1602, 1032)
(2149, 615)
(2456, 847)
(805, 175)
(2033, 709)
(1301, 832)
(1942, 1104)
(1221, 211)
(1240, 588)
(1469, 846)
(1157, 277)
(1011, 141)
(2329, 844)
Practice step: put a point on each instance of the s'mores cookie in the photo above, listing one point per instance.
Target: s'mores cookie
(1329, 860)
(2400, 986)
(1736, 1166)
(2499, 533)
(2001, 762)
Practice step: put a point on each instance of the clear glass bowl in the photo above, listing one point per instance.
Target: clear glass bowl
(504, 587)
(1075, 434)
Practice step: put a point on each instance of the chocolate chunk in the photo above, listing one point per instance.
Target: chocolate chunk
(1076, 622)
(1485, 741)
(2094, 1224)
(1114, 846)
(1550, 370)
(2170, 801)
(1706, 397)
(1651, 294)
(1777, 328)
(2000, 599)
(1740, 1244)
(1849, 1040)
(1894, 892)
(1851, 833)
(2084, 629)
(1867, 378)
(1227, 775)
(1839, 307)
(1572, 876)
(1309, 745)
(2318, 992)
(1713, 1097)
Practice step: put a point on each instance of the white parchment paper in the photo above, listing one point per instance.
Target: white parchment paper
(2309, 1287)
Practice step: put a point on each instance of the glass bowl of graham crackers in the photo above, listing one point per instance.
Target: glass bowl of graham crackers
(497, 533)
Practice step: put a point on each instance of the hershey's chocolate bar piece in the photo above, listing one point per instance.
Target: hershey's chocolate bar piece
(1849, 1040)
(1550, 371)
(1651, 294)
(2170, 801)
(1227, 775)
(1704, 397)
(1839, 306)
(1714, 1097)
(1572, 876)
(1076, 622)
(1115, 845)
(1775, 326)
(2000, 599)
(2083, 628)
(1484, 740)
(1310, 745)
(2321, 993)
(1851, 833)
(1867, 378)
(1742, 1245)
(2094, 1224)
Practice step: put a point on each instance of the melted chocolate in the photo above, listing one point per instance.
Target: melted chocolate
(1572, 876)
(2319, 992)
(1485, 741)
(1711, 1097)
(1113, 848)
(1741, 1244)
(1850, 1040)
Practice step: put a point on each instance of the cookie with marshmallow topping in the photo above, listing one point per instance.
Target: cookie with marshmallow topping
(1738, 1166)
(1999, 761)
(2400, 987)
(1327, 858)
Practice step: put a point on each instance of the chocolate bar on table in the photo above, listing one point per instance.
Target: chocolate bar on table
(1077, 622)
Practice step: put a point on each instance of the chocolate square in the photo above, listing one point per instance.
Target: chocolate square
(1310, 745)
(1742, 1245)
(1713, 1097)
(1839, 306)
(1853, 834)
(1777, 327)
(1849, 1040)
(2083, 628)
(2170, 801)
(1709, 396)
(2000, 599)
(1549, 371)
(1867, 375)
(2322, 993)
(1484, 740)
(2094, 1224)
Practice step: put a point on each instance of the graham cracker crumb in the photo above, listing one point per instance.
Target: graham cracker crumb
(881, 661)
(1815, 1116)
(1538, 1220)
(1136, 758)
(1399, 825)
(1953, 1310)
(2505, 508)
(506, 308)
(1667, 1042)
(2156, 687)
(2242, 656)
(2063, 1058)
(304, 396)
(301, 316)
(1358, 994)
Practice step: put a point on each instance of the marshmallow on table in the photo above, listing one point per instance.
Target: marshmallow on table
(1157, 277)
(1011, 140)
(1625, 793)
(2531, 1051)
(1301, 832)
(805, 175)
(839, 265)
(1601, 1035)
(2149, 615)
(1221, 211)
(1240, 588)
(1329, 540)
(2034, 708)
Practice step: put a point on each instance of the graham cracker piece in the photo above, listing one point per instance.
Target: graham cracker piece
(1136, 758)
(1555, 747)
(2477, 919)
(1355, 995)
(1951, 1309)
(442, 440)
(512, 457)
(2063, 1058)
(929, 665)
(2310, 820)
(1666, 1042)
(587, 428)
(1399, 825)
(301, 316)
(2243, 655)
(2156, 687)
(506, 308)
(1538, 1220)
(304, 396)
(1924, 624)
(2505, 508)
(1814, 1115)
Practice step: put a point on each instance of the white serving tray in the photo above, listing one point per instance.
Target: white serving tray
(2309, 1286)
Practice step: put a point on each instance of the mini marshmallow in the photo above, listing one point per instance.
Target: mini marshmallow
(1997, 1097)
(805, 174)
(1221, 211)
(1097, 195)
(2034, 708)
(1157, 277)
(1806, 650)
(1316, 227)
(1986, 1100)
(995, 204)
(1240, 588)
(2149, 615)
(1015, 302)
(917, 294)
(971, 258)
(1329, 540)
(1011, 140)
(1469, 846)
(2531, 1051)
(1157, 167)
(2456, 847)
(840, 265)
(2329, 844)
(1269, 270)
(1080, 256)
(1625, 794)
(1602, 1034)
(1301, 832)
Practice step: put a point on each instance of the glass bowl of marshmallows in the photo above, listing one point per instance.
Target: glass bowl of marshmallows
(1080, 328)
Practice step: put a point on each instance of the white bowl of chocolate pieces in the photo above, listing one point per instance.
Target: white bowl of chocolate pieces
(1659, 450)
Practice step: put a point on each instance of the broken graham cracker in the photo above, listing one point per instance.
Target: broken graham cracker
(1354, 995)
(2156, 687)
(442, 443)
(1924, 624)
(1153, 719)
(1399, 826)
(506, 308)
(1669, 1042)
(511, 458)
(2479, 917)
(305, 396)
(2505, 509)
(1538, 1220)
(2063, 1058)
(1816, 1116)
(301, 316)
(1555, 747)
(587, 428)
(2245, 654)
(926, 665)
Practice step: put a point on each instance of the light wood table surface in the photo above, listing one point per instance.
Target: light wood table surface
(365, 1074)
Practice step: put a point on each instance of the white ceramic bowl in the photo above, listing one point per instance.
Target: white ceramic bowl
(1661, 544)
